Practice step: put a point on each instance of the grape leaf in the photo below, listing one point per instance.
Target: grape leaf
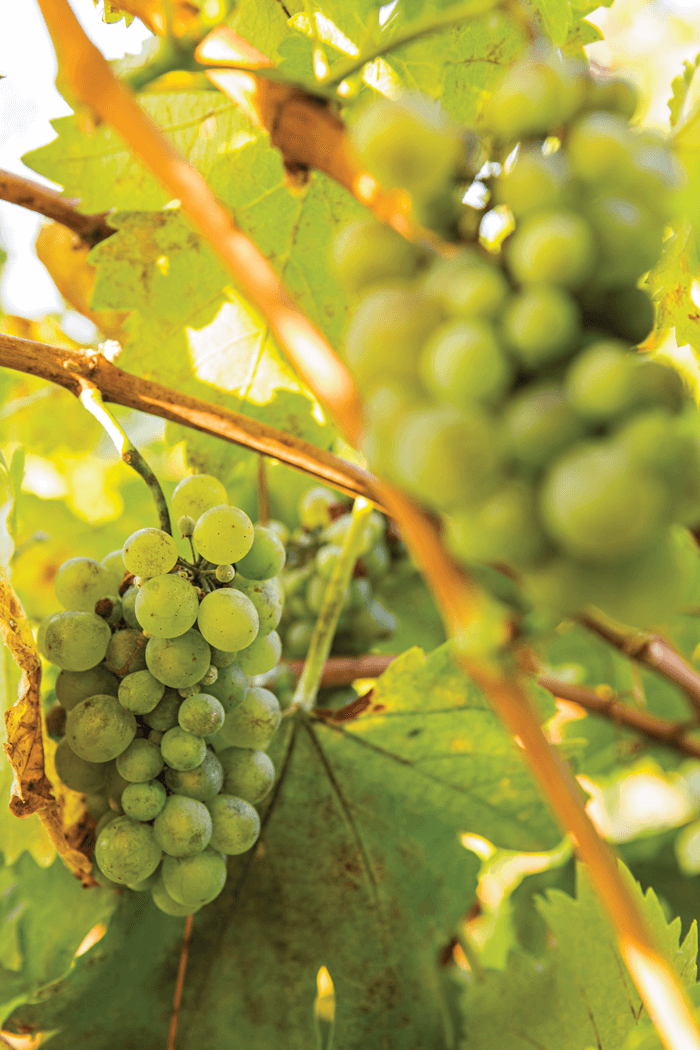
(44, 916)
(556, 17)
(580, 994)
(680, 86)
(360, 869)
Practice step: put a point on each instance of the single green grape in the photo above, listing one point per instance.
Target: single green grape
(535, 182)
(261, 655)
(74, 686)
(201, 715)
(127, 851)
(228, 619)
(202, 783)
(114, 563)
(541, 325)
(235, 825)
(195, 494)
(298, 638)
(230, 687)
(140, 692)
(527, 102)
(463, 362)
(265, 558)
(182, 750)
(629, 237)
(143, 801)
(74, 641)
(538, 423)
(616, 95)
(140, 762)
(164, 714)
(98, 729)
(552, 247)
(626, 312)
(195, 881)
(97, 805)
(183, 826)
(367, 252)
(126, 652)
(503, 530)
(223, 535)
(115, 785)
(467, 287)
(247, 773)
(178, 662)
(77, 773)
(81, 582)
(220, 658)
(601, 382)
(225, 573)
(165, 903)
(268, 598)
(149, 552)
(166, 606)
(253, 722)
(129, 608)
(386, 334)
(315, 508)
(326, 560)
(598, 147)
(145, 884)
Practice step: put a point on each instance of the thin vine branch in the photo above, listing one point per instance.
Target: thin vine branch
(654, 652)
(32, 195)
(93, 81)
(343, 670)
(180, 983)
(67, 368)
(91, 399)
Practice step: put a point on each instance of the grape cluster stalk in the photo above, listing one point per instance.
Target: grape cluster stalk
(165, 734)
(504, 388)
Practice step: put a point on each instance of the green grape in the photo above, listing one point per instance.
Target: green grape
(104, 820)
(600, 383)
(164, 714)
(463, 362)
(97, 806)
(99, 728)
(599, 508)
(261, 655)
(253, 722)
(165, 903)
(466, 286)
(326, 560)
(166, 606)
(228, 619)
(182, 750)
(195, 881)
(114, 563)
(280, 530)
(535, 182)
(235, 825)
(129, 608)
(116, 784)
(201, 783)
(178, 662)
(598, 147)
(210, 676)
(109, 609)
(81, 582)
(220, 658)
(386, 334)
(265, 558)
(248, 774)
(658, 383)
(145, 884)
(143, 801)
(127, 851)
(183, 826)
(223, 535)
(74, 641)
(225, 573)
(43, 628)
(541, 325)
(315, 508)
(201, 714)
(616, 95)
(444, 457)
(553, 247)
(367, 252)
(337, 533)
(371, 622)
(77, 773)
(298, 638)
(407, 142)
(156, 735)
(655, 175)
(527, 102)
(504, 529)
(230, 687)
(629, 236)
(539, 422)
(197, 493)
(627, 312)
(149, 552)
(126, 652)
(140, 762)
(268, 598)
(652, 441)
(140, 692)
(186, 525)
(74, 686)
(377, 562)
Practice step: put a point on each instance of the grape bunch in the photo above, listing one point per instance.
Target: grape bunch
(164, 733)
(312, 552)
(503, 386)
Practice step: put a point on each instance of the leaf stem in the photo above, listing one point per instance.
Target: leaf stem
(91, 399)
(180, 983)
(324, 631)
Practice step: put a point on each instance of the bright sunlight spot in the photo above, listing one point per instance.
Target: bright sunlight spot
(324, 1006)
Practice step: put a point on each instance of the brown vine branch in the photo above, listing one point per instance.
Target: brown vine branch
(180, 983)
(91, 78)
(32, 195)
(67, 368)
(343, 670)
(654, 652)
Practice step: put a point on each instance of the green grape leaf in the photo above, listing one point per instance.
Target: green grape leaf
(579, 995)
(580, 34)
(680, 87)
(97, 167)
(360, 869)
(45, 914)
(556, 18)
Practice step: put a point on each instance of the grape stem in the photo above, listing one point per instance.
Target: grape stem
(91, 399)
(324, 630)
(32, 195)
